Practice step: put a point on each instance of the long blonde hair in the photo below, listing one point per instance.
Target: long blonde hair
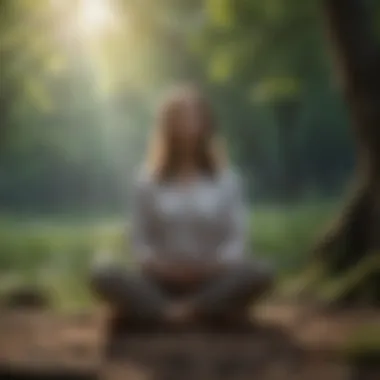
(162, 159)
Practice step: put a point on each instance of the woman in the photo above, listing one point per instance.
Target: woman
(188, 227)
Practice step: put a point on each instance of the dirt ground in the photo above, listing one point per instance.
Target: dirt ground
(286, 342)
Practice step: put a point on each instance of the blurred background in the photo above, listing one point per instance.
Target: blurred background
(80, 82)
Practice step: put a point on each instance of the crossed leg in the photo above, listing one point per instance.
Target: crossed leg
(145, 298)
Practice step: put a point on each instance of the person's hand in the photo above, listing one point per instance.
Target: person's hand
(171, 271)
(191, 272)
(165, 270)
(156, 268)
(185, 272)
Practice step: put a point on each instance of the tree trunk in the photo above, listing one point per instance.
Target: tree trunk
(356, 234)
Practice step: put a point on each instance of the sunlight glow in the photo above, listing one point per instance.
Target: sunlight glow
(95, 16)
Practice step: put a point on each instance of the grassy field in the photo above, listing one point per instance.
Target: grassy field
(57, 252)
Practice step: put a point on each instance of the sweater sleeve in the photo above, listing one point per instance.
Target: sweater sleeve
(233, 246)
(142, 244)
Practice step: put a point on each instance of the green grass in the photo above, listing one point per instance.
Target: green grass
(57, 253)
(363, 345)
(285, 235)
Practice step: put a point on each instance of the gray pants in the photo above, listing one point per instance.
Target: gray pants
(145, 297)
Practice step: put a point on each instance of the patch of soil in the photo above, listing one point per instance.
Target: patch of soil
(25, 298)
(42, 345)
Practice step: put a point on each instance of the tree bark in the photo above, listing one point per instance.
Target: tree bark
(356, 234)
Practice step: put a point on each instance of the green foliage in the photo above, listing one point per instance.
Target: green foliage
(285, 234)
(335, 289)
(275, 90)
(59, 254)
(314, 282)
(76, 108)
(363, 345)
(221, 13)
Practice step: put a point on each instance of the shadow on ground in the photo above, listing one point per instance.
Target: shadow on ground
(45, 345)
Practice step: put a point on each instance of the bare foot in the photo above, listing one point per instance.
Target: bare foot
(179, 313)
(240, 319)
